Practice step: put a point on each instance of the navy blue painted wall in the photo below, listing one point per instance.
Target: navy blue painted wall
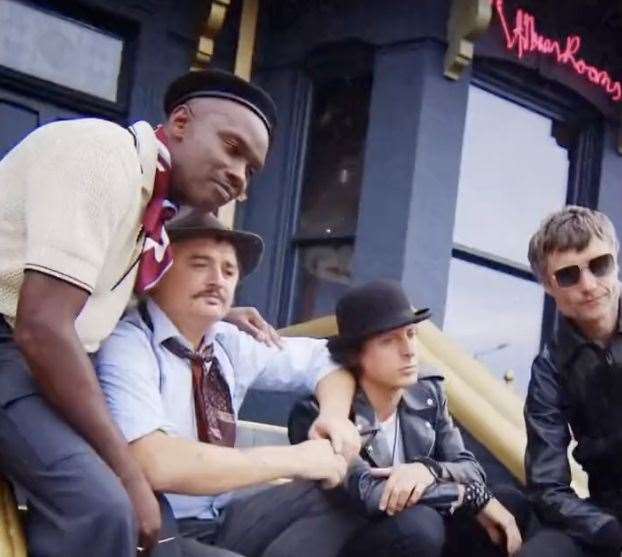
(412, 166)
(610, 196)
(413, 145)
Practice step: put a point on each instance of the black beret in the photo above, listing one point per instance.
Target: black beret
(222, 85)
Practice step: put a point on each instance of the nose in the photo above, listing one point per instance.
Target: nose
(408, 347)
(587, 280)
(236, 175)
(215, 277)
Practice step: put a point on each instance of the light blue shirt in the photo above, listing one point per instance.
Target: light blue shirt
(148, 388)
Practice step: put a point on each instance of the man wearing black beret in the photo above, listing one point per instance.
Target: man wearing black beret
(83, 205)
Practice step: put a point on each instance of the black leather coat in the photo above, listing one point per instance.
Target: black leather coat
(427, 431)
(576, 390)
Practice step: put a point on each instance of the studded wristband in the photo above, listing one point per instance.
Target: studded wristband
(476, 496)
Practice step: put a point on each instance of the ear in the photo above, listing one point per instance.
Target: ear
(178, 122)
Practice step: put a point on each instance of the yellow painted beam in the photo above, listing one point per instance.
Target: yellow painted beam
(12, 540)
(246, 39)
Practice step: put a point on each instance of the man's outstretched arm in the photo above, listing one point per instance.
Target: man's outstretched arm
(178, 465)
(45, 332)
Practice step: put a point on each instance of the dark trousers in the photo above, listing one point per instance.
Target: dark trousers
(77, 505)
(253, 525)
(550, 542)
(419, 531)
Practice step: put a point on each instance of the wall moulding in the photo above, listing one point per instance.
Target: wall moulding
(468, 20)
(212, 26)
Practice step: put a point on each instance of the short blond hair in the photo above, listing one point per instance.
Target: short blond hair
(571, 228)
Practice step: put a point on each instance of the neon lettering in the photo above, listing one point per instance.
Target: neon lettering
(525, 39)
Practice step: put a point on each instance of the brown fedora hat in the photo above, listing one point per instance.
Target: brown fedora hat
(197, 224)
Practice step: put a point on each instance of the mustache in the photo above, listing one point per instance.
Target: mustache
(216, 292)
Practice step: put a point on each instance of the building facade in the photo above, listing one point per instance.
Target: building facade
(382, 165)
(385, 167)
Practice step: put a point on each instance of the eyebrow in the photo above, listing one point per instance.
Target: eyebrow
(198, 258)
(244, 145)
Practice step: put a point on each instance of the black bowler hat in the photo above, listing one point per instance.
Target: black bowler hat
(222, 85)
(196, 224)
(373, 308)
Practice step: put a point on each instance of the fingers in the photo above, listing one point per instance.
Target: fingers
(274, 338)
(384, 499)
(264, 331)
(250, 320)
(351, 442)
(494, 534)
(401, 499)
(319, 462)
(345, 440)
(415, 495)
(381, 472)
(395, 497)
(342, 435)
(314, 433)
(513, 538)
(336, 475)
(336, 440)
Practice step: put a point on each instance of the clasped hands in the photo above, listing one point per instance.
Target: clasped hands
(406, 483)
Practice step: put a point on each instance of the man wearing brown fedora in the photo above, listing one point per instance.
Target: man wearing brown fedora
(175, 375)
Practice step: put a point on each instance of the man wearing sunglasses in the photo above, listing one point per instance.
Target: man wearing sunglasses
(576, 388)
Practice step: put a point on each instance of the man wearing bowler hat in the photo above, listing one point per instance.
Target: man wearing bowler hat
(82, 208)
(175, 375)
(418, 488)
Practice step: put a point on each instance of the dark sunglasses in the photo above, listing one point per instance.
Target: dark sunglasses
(599, 266)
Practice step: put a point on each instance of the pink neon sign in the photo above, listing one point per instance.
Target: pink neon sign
(525, 39)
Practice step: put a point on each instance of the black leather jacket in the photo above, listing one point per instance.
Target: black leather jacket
(576, 389)
(427, 432)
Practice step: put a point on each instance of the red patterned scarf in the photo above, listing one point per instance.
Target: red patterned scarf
(157, 257)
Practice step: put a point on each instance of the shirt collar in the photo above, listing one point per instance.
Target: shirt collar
(164, 328)
(147, 147)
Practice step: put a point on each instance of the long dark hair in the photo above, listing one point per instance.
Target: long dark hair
(347, 354)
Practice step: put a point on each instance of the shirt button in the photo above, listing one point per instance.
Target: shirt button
(429, 402)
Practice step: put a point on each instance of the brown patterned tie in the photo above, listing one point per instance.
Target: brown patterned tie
(212, 398)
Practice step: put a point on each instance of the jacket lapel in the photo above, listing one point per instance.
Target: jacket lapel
(417, 412)
(375, 448)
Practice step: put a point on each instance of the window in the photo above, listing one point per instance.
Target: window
(513, 173)
(325, 233)
(63, 51)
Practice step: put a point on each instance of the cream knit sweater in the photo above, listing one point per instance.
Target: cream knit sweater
(72, 196)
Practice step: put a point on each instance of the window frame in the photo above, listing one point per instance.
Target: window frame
(528, 89)
(349, 59)
(110, 24)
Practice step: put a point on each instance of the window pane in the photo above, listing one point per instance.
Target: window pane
(65, 52)
(495, 316)
(512, 175)
(332, 181)
(323, 275)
